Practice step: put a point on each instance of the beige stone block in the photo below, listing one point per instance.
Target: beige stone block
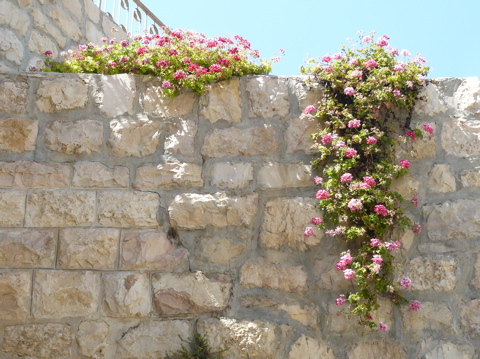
(285, 175)
(59, 294)
(111, 29)
(18, 135)
(45, 24)
(193, 293)
(125, 294)
(434, 274)
(379, 349)
(26, 174)
(11, 47)
(448, 350)
(218, 250)
(97, 175)
(12, 208)
(137, 137)
(39, 43)
(467, 96)
(255, 141)
(168, 176)
(75, 8)
(310, 348)
(432, 316)
(327, 276)
(284, 223)
(222, 102)
(461, 137)
(27, 248)
(60, 208)
(128, 209)
(475, 282)
(156, 105)
(13, 97)
(61, 94)
(432, 104)
(308, 93)
(197, 211)
(268, 97)
(406, 185)
(257, 273)
(26, 3)
(441, 179)
(153, 339)
(80, 137)
(92, 338)
(152, 250)
(181, 141)
(41, 341)
(88, 248)
(116, 94)
(92, 31)
(92, 12)
(305, 315)
(66, 23)
(470, 177)
(15, 294)
(13, 17)
(470, 317)
(231, 175)
(297, 135)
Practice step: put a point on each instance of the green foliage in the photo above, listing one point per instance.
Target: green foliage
(197, 347)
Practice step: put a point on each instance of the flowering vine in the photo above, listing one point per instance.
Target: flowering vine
(369, 94)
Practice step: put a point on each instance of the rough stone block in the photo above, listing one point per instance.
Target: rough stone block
(475, 282)
(308, 94)
(156, 105)
(461, 137)
(433, 104)
(92, 12)
(26, 174)
(61, 94)
(470, 177)
(220, 250)
(231, 175)
(75, 8)
(18, 135)
(432, 316)
(116, 94)
(15, 294)
(448, 350)
(268, 97)
(12, 208)
(66, 23)
(467, 96)
(470, 317)
(42, 22)
(92, 338)
(13, 17)
(435, 274)
(222, 102)
(441, 179)
(80, 137)
(282, 175)
(168, 176)
(97, 175)
(298, 134)
(378, 349)
(305, 315)
(11, 46)
(310, 348)
(13, 96)
(181, 141)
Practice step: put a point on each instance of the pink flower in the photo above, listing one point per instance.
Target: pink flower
(172, 52)
(371, 63)
(397, 93)
(405, 53)
(340, 300)
(376, 268)
(215, 68)
(353, 62)
(412, 135)
(340, 144)
(316, 220)
(380, 210)
(416, 228)
(187, 60)
(82, 47)
(377, 259)
(354, 123)
(398, 68)
(337, 56)
(142, 50)
(124, 43)
(328, 68)
(414, 305)
(163, 63)
(112, 41)
(322, 194)
(382, 41)
(327, 139)
(349, 91)
(317, 180)
(166, 84)
(104, 39)
(406, 283)
(369, 181)
(180, 74)
(356, 74)
(123, 59)
(371, 140)
(404, 164)
(308, 232)
(348, 274)
(375, 242)
(367, 40)
(428, 128)
(48, 53)
(326, 58)
(346, 177)
(382, 327)
(350, 152)
(309, 109)
(355, 204)
(392, 246)
(415, 201)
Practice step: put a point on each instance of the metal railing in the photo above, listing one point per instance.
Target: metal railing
(135, 19)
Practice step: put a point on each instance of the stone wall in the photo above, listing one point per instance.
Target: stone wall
(128, 219)
(28, 28)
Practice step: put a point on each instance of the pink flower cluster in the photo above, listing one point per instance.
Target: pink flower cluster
(350, 152)
(405, 164)
(349, 91)
(322, 194)
(344, 261)
(414, 305)
(355, 204)
(327, 139)
(317, 180)
(348, 274)
(428, 128)
(371, 64)
(309, 109)
(316, 220)
(346, 177)
(382, 327)
(340, 300)
(354, 123)
(381, 210)
(308, 232)
(371, 140)
(406, 283)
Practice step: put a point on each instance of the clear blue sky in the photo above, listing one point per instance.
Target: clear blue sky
(446, 33)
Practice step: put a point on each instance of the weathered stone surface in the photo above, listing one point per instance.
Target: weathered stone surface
(134, 136)
(432, 273)
(193, 293)
(12, 208)
(111, 30)
(222, 102)
(454, 220)
(13, 96)
(197, 211)
(11, 46)
(11, 16)
(377, 350)
(15, 294)
(298, 134)
(284, 222)
(74, 7)
(475, 282)
(406, 185)
(97, 175)
(441, 179)
(92, 12)
(41, 341)
(92, 32)
(310, 348)
(128, 209)
(419, 148)
(470, 177)
(26, 174)
(68, 25)
(155, 105)
(307, 94)
(18, 135)
(257, 273)
(285, 175)
(461, 137)
(219, 250)
(42, 22)
(231, 175)
(327, 276)
(448, 350)
(147, 249)
(254, 141)
(470, 317)
(168, 176)
(432, 316)
(27, 248)
(182, 138)
(61, 94)
(92, 338)
(433, 104)
(305, 315)
(153, 339)
(88, 248)
(60, 208)
(58, 294)
(268, 97)
(125, 294)
(116, 94)
(467, 96)
(80, 137)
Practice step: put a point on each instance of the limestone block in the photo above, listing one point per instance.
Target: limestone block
(59, 294)
(285, 175)
(128, 209)
(222, 102)
(26, 3)
(432, 316)
(80, 137)
(15, 294)
(125, 294)
(305, 315)
(379, 349)
(27, 248)
(193, 293)
(470, 317)
(88, 248)
(92, 12)
(97, 175)
(268, 97)
(11, 46)
(26, 174)
(297, 135)
(467, 96)
(454, 220)
(39, 43)
(116, 94)
(434, 274)
(182, 139)
(461, 137)
(60, 208)
(254, 141)
(231, 175)
(152, 250)
(153, 339)
(470, 177)
(419, 148)
(475, 282)
(134, 136)
(308, 93)
(441, 179)
(406, 185)
(66, 23)
(41, 341)
(18, 135)
(92, 31)
(168, 176)
(12, 208)
(310, 348)
(156, 105)
(45, 24)
(286, 277)
(219, 250)
(61, 94)
(448, 350)
(432, 104)
(197, 211)
(284, 222)
(327, 276)
(13, 96)
(75, 8)
(92, 338)
(111, 29)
